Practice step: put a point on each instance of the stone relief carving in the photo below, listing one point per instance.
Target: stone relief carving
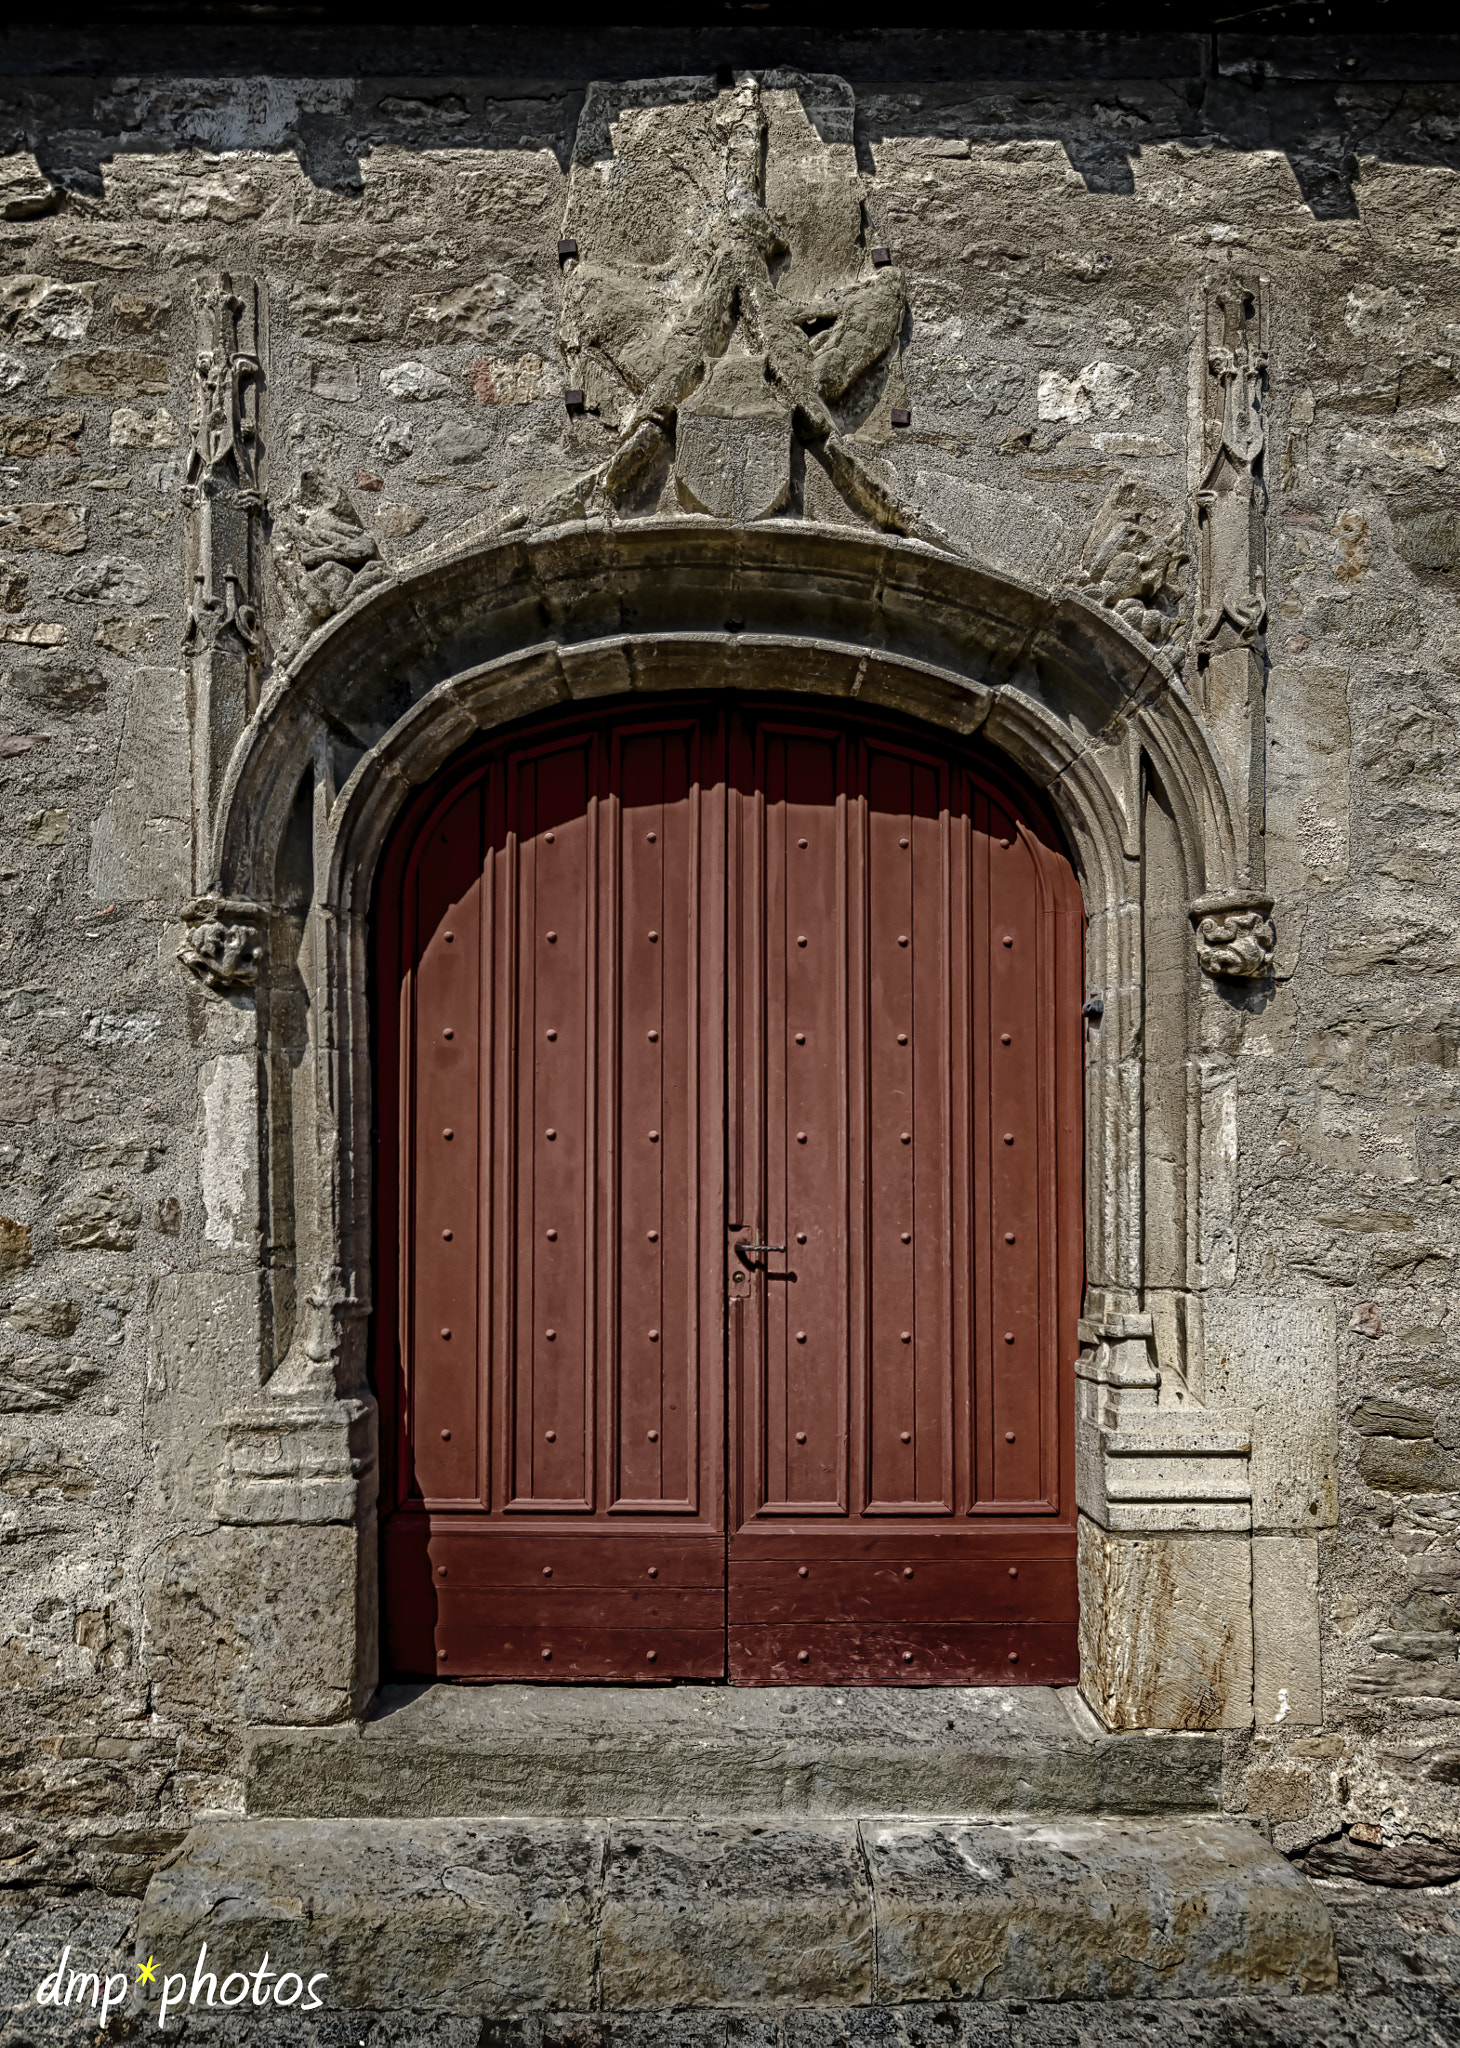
(224, 506)
(221, 487)
(1132, 562)
(1234, 935)
(1231, 497)
(323, 555)
(732, 339)
(225, 943)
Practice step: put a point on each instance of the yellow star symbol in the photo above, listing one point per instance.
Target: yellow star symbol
(147, 1975)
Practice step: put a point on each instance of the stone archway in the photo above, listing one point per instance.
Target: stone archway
(460, 643)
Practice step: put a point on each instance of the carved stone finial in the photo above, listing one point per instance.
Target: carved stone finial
(1234, 935)
(225, 944)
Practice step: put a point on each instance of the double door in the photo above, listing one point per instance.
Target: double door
(729, 1209)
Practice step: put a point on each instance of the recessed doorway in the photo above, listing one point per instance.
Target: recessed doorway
(729, 1207)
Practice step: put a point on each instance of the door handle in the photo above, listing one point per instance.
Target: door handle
(742, 1248)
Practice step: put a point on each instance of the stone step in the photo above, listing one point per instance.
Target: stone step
(713, 1752)
(497, 1918)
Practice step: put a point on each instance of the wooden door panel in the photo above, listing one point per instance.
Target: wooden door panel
(803, 1391)
(471, 1643)
(439, 1282)
(905, 1011)
(923, 1591)
(894, 1652)
(584, 1394)
(550, 908)
(652, 1233)
(906, 1223)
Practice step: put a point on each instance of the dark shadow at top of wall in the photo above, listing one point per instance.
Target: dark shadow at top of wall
(333, 91)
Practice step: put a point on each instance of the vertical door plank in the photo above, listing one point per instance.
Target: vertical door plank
(656, 1056)
(554, 1210)
(441, 1280)
(1021, 1258)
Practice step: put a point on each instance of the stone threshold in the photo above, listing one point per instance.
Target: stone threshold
(707, 1752)
(505, 1917)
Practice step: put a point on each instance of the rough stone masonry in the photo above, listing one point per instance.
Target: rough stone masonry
(1155, 337)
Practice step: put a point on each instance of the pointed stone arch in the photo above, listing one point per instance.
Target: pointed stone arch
(500, 628)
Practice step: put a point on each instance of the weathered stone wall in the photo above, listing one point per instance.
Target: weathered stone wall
(1047, 402)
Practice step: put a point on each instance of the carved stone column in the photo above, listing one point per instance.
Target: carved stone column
(1231, 524)
(224, 503)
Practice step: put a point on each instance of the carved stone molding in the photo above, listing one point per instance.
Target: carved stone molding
(1234, 935)
(226, 943)
(1231, 497)
(224, 505)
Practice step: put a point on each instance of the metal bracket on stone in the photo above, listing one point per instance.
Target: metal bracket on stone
(226, 943)
(1234, 934)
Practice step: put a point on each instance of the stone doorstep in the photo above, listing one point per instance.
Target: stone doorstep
(502, 1917)
(711, 1752)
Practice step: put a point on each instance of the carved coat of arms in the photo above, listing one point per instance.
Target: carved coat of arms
(734, 334)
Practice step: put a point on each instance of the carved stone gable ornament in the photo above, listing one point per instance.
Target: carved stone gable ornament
(722, 314)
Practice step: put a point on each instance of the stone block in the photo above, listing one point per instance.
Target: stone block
(104, 1220)
(27, 435)
(709, 1753)
(1006, 529)
(1090, 1909)
(44, 1380)
(1166, 1629)
(1307, 787)
(735, 1914)
(133, 428)
(1279, 1359)
(229, 1169)
(25, 191)
(333, 377)
(500, 1918)
(109, 373)
(15, 1251)
(1287, 1667)
(141, 845)
(52, 529)
(1392, 1464)
(267, 1620)
(43, 309)
(487, 1917)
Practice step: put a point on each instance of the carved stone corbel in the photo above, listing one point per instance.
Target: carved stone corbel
(1234, 934)
(224, 504)
(225, 944)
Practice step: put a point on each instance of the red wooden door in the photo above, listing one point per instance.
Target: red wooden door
(619, 1438)
(556, 1493)
(905, 1109)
